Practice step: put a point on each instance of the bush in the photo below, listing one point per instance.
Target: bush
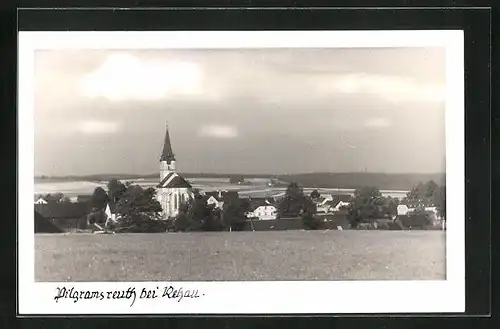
(311, 222)
(182, 223)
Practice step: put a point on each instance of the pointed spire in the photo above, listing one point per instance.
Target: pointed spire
(167, 154)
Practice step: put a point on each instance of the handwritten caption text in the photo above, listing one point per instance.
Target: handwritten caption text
(131, 294)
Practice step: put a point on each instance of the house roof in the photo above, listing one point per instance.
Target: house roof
(43, 225)
(49, 197)
(167, 154)
(215, 194)
(63, 210)
(255, 206)
(173, 180)
(112, 206)
(258, 202)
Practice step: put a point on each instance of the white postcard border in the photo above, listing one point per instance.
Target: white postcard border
(277, 297)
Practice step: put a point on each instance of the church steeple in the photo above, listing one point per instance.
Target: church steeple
(167, 159)
(167, 154)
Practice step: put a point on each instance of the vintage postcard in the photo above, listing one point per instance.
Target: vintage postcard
(225, 172)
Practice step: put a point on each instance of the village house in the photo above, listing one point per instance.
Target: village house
(66, 216)
(404, 210)
(216, 198)
(41, 200)
(43, 225)
(332, 203)
(262, 209)
(110, 212)
(49, 198)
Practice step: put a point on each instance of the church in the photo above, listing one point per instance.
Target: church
(173, 189)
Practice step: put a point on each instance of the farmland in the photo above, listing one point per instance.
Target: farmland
(224, 256)
(256, 187)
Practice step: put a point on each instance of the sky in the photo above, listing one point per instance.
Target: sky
(251, 111)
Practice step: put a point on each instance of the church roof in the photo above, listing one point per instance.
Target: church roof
(167, 154)
(173, 180)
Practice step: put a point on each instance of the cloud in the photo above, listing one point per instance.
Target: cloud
(125, 77)
(377, 123)
(390, 88)
(218, 131)
(97, 127)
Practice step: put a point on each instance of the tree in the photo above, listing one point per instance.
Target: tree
(96, 217)
(295, 203)
(233, 212)
(196, 215)
(439, 199)
(430, 189)
(184, 222)
(116, 190)
(139, 211)
(392, 206)
(57, 197)
(65, 199)
(422, 194)
(99, 198)
(367, 204)
(202, 215)
(315, 195)
(311, 222)
(422, 213)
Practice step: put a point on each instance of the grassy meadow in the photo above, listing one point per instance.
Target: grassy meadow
(242, 256)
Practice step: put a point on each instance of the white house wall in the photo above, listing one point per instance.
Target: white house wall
(264, 213)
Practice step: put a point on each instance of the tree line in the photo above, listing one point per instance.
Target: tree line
(369, 204)
(139, 211)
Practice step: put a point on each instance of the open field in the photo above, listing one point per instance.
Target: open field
(245, 256)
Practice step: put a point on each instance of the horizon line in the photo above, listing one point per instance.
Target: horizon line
(245, 174)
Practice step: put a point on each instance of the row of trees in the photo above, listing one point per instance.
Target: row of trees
(368, 203)
(54, 198)
(139, 210)
(427, 194)
(137, 207)
(197, 215)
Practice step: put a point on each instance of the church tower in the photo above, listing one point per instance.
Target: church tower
(167, 159)
(173, 189)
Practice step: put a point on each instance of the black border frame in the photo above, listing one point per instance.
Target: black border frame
(476, 24)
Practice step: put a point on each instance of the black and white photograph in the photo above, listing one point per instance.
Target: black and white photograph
(283, 163)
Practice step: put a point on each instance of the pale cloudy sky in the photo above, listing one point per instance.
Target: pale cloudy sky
(240, 111)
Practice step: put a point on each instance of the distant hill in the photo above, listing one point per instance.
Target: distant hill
(326, 180)
(355, 180)
(107, 177)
